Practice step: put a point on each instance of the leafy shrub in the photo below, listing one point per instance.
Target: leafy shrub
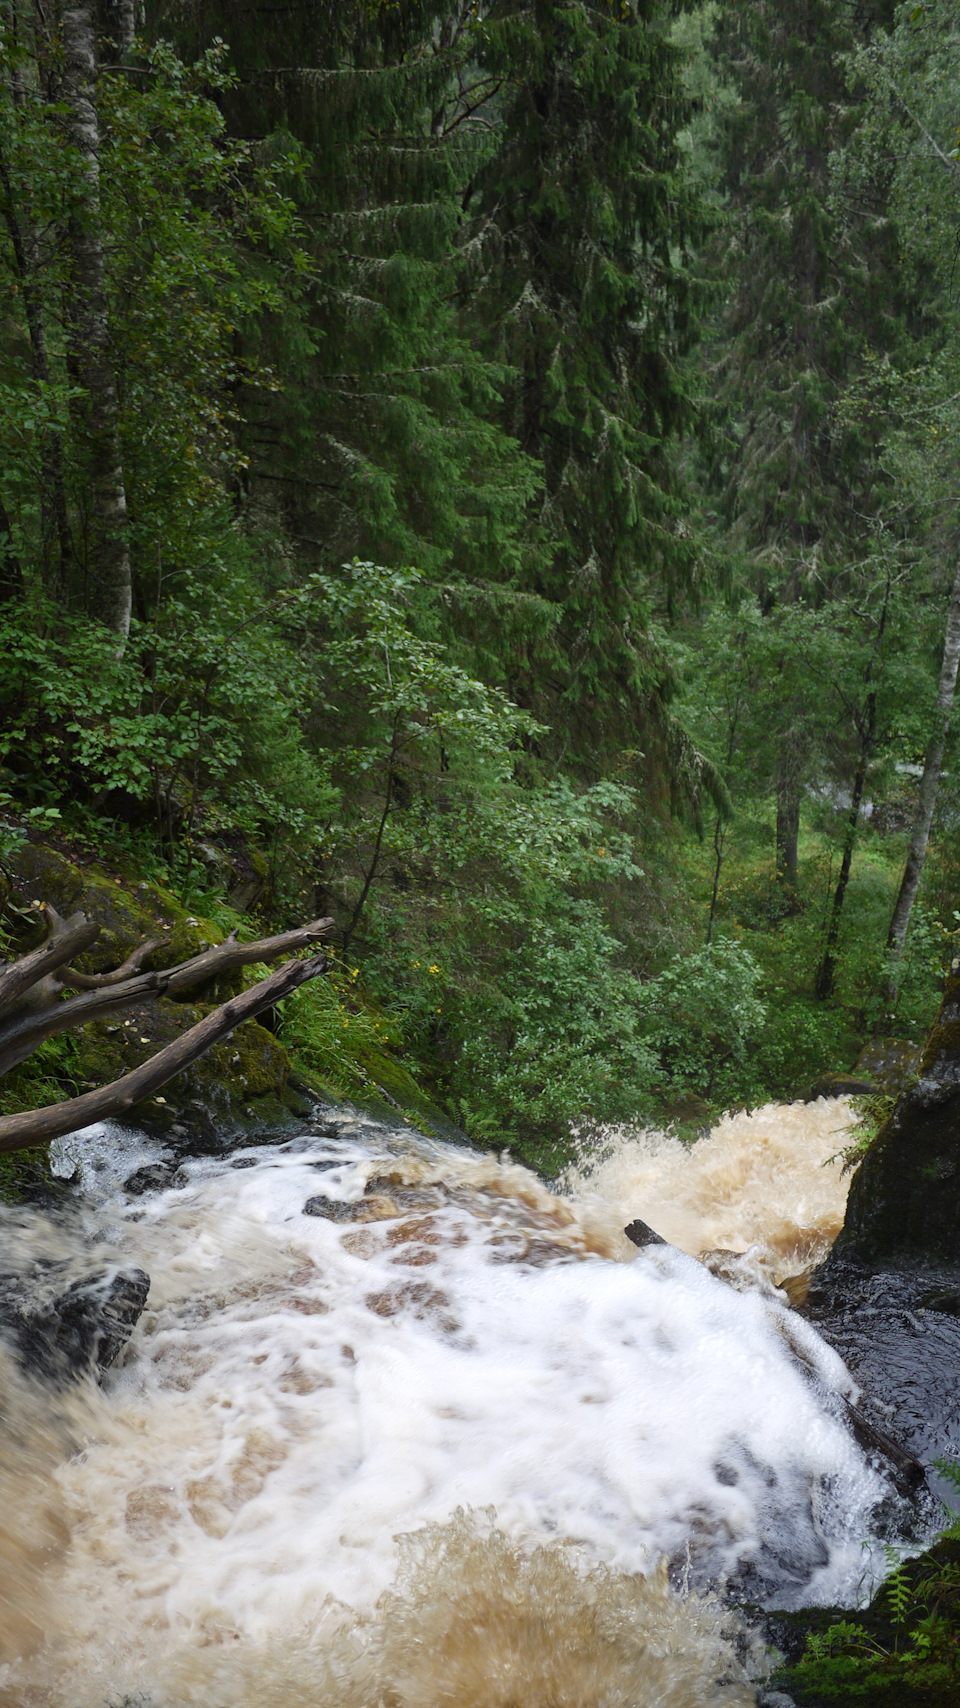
(702, 1014)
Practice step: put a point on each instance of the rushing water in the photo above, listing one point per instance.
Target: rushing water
(442, 1437)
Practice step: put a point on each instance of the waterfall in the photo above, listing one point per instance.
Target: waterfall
(401, 1425)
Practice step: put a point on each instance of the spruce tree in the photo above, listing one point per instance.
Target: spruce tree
(383, 437)
(584, 287)
(810, 288)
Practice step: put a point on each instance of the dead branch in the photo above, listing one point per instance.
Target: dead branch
(132, 964)
(17, 977)
(38, 1126)
(230, 954)
(20, 1035)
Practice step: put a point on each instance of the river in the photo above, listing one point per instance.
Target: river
(401, 1426)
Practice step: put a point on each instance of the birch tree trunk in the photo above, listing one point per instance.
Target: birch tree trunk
(90, 332)
(929, 785)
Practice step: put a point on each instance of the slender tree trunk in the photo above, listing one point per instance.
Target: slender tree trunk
(120, 23)
(375, 857)
(719, 830)
(92, 354)
(867, 729)
(929, 785)
(826, 973)
(57, 547)
(719, 837)
(788, 822)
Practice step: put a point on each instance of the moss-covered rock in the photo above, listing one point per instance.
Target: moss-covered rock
(905, 1196)
(904, 1648)
(126, 915)
(233, 1074)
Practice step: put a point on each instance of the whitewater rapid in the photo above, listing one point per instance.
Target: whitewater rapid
(361, 1335)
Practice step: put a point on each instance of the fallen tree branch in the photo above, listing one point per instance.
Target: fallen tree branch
(38, 1126)
(132, 964)
(229, 954)
(17, 977)
(20, 1035)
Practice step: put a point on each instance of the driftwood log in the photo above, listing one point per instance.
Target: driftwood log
(32, 1008)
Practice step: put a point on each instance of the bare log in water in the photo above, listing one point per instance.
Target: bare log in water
(38, 1126)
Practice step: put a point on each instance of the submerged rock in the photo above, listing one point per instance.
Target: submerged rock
(63, 1329)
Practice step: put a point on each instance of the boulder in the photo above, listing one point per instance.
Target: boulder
(125, 915)
(841, 1085)
(905, 1196)
(890, 1062)
(62, 1329)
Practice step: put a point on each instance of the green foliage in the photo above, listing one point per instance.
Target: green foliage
(334, 1038)
(702, 1014)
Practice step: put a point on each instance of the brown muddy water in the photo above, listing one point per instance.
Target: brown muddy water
(445, 1437)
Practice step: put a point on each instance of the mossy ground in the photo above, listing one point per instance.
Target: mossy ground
(785, 933)
(904, 1649)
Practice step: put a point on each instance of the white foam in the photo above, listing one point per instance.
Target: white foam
(302, 1390)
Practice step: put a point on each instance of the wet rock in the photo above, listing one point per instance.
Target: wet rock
(841, 1085)
(63, 1329)
(153, 1177)
(902, 1350)
(331, 1208)
(905, 1196)
(362, 1210)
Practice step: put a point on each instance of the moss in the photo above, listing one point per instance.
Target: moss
(25, 1174)
(42, 874)
(125, 917)
(902, 1649)
(250, 1065)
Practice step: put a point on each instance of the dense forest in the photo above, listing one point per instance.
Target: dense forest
(485, 472)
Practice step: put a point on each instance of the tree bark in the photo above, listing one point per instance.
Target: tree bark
(91, 352)
(120, 27)
(54, 519)
(826, 973)
(17, 977)
(929, 785)
(38, 1126)
(866, 724)
(788, 822)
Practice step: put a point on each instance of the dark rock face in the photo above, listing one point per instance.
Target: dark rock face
(905, 1197)
(63, 1329)
(896, 1331)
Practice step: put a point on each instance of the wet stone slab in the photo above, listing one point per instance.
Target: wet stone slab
(898, 1331)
